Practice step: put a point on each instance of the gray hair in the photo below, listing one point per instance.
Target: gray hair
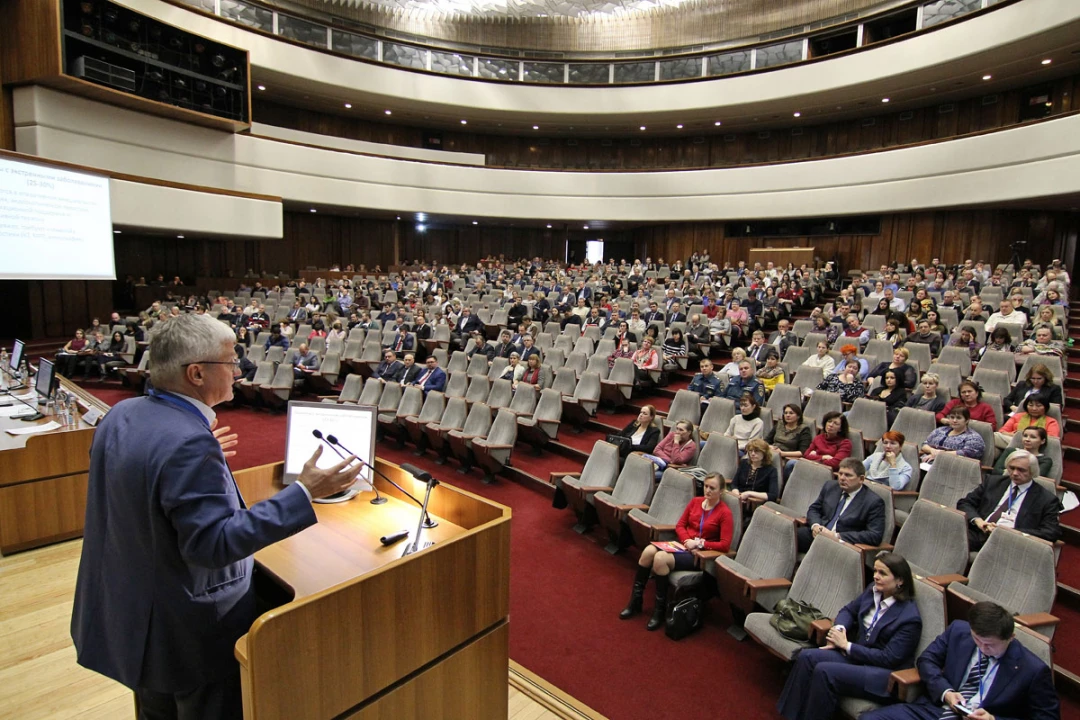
(1022, 454)
(184, 340)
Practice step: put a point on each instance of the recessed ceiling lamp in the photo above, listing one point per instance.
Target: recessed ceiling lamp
(987, 77)
(464, 122)
(179, 237)
(642, 127)
(314, 210)
(536, 127)
(475, 222)
(884, 100)
(348, 106)
(262, 87)
(549, 226)
(1047, 61)
(388, 112)
(679, 126)
(798, 114)
(718, 123)
(117, 232)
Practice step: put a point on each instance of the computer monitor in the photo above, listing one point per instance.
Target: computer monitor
(351, 425)
(45, 380)
(16, 356)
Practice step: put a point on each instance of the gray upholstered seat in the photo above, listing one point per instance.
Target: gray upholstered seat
(524, 400)
(717, 417)
(674, 492)
(634, 486)
(796, 355)
(1016, 571)
(957, 356)
(459, 362)
(685, 406)
(950, 478)
(599, 475)
(915, 425)
(599, 365)
(497, 366)
(1004, 361)
(950, 376)
(685, 580)
(500, 395)
(821, 403)
(410, 405)
(275, 354)
(578, 361)
(829, 577)
(388, 402)
(493, 452)
(453, 418)
(543, 424)
(326, 377)
(807, 377)
(720, 455)
(479, 389)
(565, 381)
(478, 366)
(556, 357)
(802, 488)
(457, 384)
(373, 389)
(577, 410)
(477, 424)
(868, 417)
(934, 540)
(249, 389)
(986, 430)
(783, 395)
(767, 551)
(350, 391)
(616, 389)
(430, 412)
(920, 355)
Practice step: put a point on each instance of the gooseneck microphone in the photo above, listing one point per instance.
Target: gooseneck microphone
(428, 522)
(377, 500)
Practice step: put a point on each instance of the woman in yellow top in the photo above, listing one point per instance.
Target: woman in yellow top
(772, 374)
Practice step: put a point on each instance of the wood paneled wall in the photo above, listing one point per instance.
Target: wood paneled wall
(872, 131)
(951, 235)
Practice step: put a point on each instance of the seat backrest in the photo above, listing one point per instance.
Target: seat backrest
(1036, 643)
(504, 430)
(623, 371)
(478, 365)
(432, 410)
(685, 406)
(885, 493)
(994, 360)
(830, 575)
(934, 539)
(919, 354)
(440, 356)
(453, 416)
(804, 485)
(372, 391)
(578, 361)
(795, 355)
(495, 371)
(478, 421)
(735, 506)
(930, 600)
(783, 395)
(264, 371)
(868, 417)
(599, 365)
(458, 361)
(391, 396)
(957, 356)
(457, 384)
(915, 424)
(987, 432)
(950, 375)
(588, 387)
(821, 403)
(283, 377)
(524, 401)
(479, 389)
(674, 492)
(275, 354)
(950, 478)
(807, 377)
(350, 391)
(993, 381)
(635, 482)
(769, 547)
(556, 357)
(500, 395)
(550, 405)
(1016, 570)
(353, 349)
(565, 380)
(720, 454)
(602, 467)
(718, 415)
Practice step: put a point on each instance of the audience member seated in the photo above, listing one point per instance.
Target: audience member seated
(971, 399)
(465, 326)
(888, 466)
(1006, 314)
(481, 347)
(928, 400)
(731, 369)
(645, 359)
(1040, 379)
(966, 338)
(746, 424)
(745, 383)
(953, 437)
(849, 356)
(772, 374)
(755, 479)
(110, 357)
(979, 662)
(909, 376)
(1032, 414)
(873, 635)
(1043, 343)
(305, 362)
(76, 351)
(845, 383)
(831, 446)
(892, 393)
(925, 336)
(677, 448)
(705, 525)
(409, 371)
(389, 368)
(844, 510)
(790, 437)
(1033, 440)
(1046, 317)
(705, 383)
(822, 359)
(757, 348)
(642, 431)
(276, 339)
(433, 377)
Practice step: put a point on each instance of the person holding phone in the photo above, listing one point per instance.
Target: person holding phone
(977, 669)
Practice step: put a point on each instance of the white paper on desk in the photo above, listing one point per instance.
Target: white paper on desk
(35, 429)
(12, 411)
(26, 396)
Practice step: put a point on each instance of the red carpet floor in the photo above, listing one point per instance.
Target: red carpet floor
(566, 593)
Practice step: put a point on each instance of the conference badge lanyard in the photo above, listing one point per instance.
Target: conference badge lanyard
(178, 402)
(1008, 518)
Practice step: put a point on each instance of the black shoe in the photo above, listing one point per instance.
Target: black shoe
(637, 594)
(659, 614)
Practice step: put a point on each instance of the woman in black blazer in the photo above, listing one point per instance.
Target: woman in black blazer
(642, 431)
(873, 635)
(1040, 378)
(755, 479)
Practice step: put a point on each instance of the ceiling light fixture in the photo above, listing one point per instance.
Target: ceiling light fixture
(475, 223)
(179, 237)
(1047, 61)
(798, 114)
(388, 112)
(117, 232)
(314, 210)
(884, 100)
(549, 226)
(585, 227)
(262, 87)
(464, 122)
(348, 106)
(718, 123)
(536, 127)
(987, 77)
(679, 126)
(642, 127)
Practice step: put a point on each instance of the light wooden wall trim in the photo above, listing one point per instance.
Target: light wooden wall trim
(30, 40)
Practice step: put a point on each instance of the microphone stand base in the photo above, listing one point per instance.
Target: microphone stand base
(378, 501)
(340, 497)
(429, 523)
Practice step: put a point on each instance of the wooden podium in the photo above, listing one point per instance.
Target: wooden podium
(366, 633)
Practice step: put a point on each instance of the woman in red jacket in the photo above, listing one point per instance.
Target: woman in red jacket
(706, 524)
(832, 445)
(971, 398)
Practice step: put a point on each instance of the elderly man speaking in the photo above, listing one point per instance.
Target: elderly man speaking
(164, 587)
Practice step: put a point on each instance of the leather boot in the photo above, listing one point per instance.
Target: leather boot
(636, 594)
(659, 614)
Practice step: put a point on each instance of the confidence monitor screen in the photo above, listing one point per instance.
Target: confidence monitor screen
(54, 224)
(43, 381)
(16, 355)
(353, 426)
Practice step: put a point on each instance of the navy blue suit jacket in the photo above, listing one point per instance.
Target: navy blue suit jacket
(862, 522)
(164, 584)
(1022, 688)
(435, 381)
(891, 643)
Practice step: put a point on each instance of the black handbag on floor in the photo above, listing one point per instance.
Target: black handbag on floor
(684, 618)
(620, 441)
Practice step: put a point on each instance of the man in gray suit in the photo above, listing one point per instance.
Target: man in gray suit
(164, 586)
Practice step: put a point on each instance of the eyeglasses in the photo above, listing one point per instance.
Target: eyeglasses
(234, 363)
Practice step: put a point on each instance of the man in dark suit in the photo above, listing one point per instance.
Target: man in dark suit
(783, 338)
(504, 347)
(527, 348)
(481, 347)
(653, 315)
(845, 510)
(433, 377)
(676, 314)
(1012, 500)
(164, 585)
(402, 341)
(409, 371)
(981, 664)
(388, 368)
(465, 325)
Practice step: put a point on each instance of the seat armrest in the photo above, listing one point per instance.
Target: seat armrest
(595, 489)
(819, 629)
(1036, 620)
(902, 679)
(494, 447)
(800, 520)
(904, 494)
(767, 583)
(657, 529)
(553, 475)
(864, 548)
(945, 580)
(755, 502)
(703, 557)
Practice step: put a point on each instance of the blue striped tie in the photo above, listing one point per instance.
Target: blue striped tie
(969, 689)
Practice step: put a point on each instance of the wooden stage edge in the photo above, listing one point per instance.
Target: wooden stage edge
(550, 697)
